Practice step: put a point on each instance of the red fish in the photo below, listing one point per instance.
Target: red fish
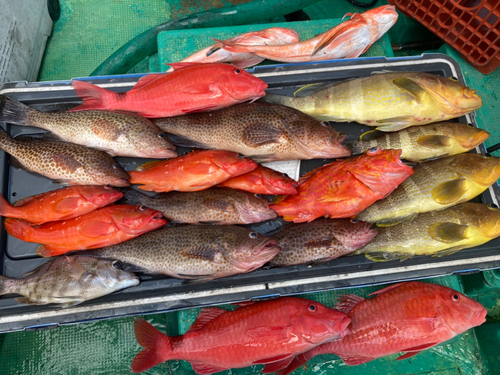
(103, 227)
(405, 317)
(191, 87)
(263, 180)
(344, 188)
(62, 204)
(268, 332)
(195, 171)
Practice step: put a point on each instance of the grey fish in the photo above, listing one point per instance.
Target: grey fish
(68, 281)
(202, 252)
(64, 162)
(119, 134)
(211, 206)
(261, 131)
(320, 241)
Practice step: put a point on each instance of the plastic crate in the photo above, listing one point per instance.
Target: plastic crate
(472, 27)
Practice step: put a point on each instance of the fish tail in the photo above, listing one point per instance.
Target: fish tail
(5, 285)
(158, 347)
(278, 99)
(14, 112)
(94, 97)
(7, 210)
(17, 228)
(231, 47)
(6, 142)
(132, 196)
(358, 147)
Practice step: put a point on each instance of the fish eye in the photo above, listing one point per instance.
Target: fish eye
(161, 135)
(471, 125)
(258, 195)
(325, 123)
(493, 205)
(455, 297)
(312, 308)
(373, 150)
(241, 156)
(116, 166)
(285, 175)
(114, 265)
(142, 208)
(487, 155)
(237, 71)
(252, 235)
(108, 187)
(454, 79)
(354, 221)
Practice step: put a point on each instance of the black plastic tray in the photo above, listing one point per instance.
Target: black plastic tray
(161, 293)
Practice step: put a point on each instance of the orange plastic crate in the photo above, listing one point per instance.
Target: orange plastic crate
(472, 27)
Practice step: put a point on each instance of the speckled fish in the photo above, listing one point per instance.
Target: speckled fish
(211, 206)
(435, 185)
(202, 252)
(388, 101)
(263, 132)
(195, 171)
(119, 134)
(320, 241)
(347, 40)
(436, 233)
(68, 281)
(263, 180)
(427, 142)
(344, 188)
(64, 162)
(406, 317)
(61, 204)
(270, 36)
(103, 227)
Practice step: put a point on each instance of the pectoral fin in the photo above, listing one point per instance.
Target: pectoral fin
(411, 87)
(385, 257)
(434, 141)
(204, 252)
(396, 220)
(449, 232)
(449, 251)
(94, 229)
(450, 191)
(261, 134)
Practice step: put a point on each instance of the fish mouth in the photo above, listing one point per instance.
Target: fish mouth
(120, 182)
(162, 154)
(480, 317)
(269, 248)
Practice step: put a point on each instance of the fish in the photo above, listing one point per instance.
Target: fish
(197, 170)
(64, 162)
(270, 36)
(263, 180)
(426, 142)
(344, 188)
(105, 226)
(61, 204)
(212, 206)
(387, 101)
(347, 40)
(435, 185)
(68, 281)
(191, 87)
(261, 131)
(196, 252)
(436, 233)
(405, 317)
(119, 134)
(266, 332)
(320, 241)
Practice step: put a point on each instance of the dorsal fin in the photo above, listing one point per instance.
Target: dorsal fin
(386, 289)
(181, 65)
(348, 302)
(146, 80)
(205, 316)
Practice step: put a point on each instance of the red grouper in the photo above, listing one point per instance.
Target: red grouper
(406, 317)
(269, 332)
(191, 87)
(344, 188)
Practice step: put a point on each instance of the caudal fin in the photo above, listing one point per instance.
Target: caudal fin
(94, 97)
(7, 210)
(17, 228)
(157, 346)
(14, 112)
(4, 289)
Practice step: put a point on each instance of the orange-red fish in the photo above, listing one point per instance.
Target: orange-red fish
(345, 187)
(347, 40)
(62, 204)
(268, 332)
(103, 227)
(195, 171)
(191, 87)
(405, 317)
(263, 180)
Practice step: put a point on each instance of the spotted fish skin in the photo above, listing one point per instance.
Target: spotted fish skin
(221, 206)
(320, 241)
(427, 142)
(194, 251)
(64, 162)
(68, 281)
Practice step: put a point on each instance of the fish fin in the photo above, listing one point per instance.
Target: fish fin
(146, 80)
(336, 36)
(415, 350)
(6, 209)
(411, 87)
(182, 141)
(449, 251)
(243, 304)
(17, 228)
(32, 272)
(181, 65)
(275, 359)
(27, 301)
(197, 90)
(67, 205)
(16, 163)
(397, 220)
(157, 346)
(24, 201)
(370, 135)
(434, 141)
(58, 107)
(204, 368)
(94, 97)
(94, 229)
(386, 289)
(348, 302)
(385, 257)
(44, 252)
(310, 89)
(434, 157)
(355, 360)
(216, 204)
(133, 197)
(198, 168)
(260, 134)
(198, 280)
(450, 191)
(76, 270)
(269, 368)
(149, 165)
(319, 242)
(399, 120)
(204, 252)
(449, 232)
(209, 222)
(319, 262)
(206, 315)
(275, 333)
(199, 109)
(242, 64)
(407, 355)
(14, 112)
(4, 289)
(298, 361)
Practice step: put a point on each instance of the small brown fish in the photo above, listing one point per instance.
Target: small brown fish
(211, 206)
(68, 281)
(64, 162)
(202, 252)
